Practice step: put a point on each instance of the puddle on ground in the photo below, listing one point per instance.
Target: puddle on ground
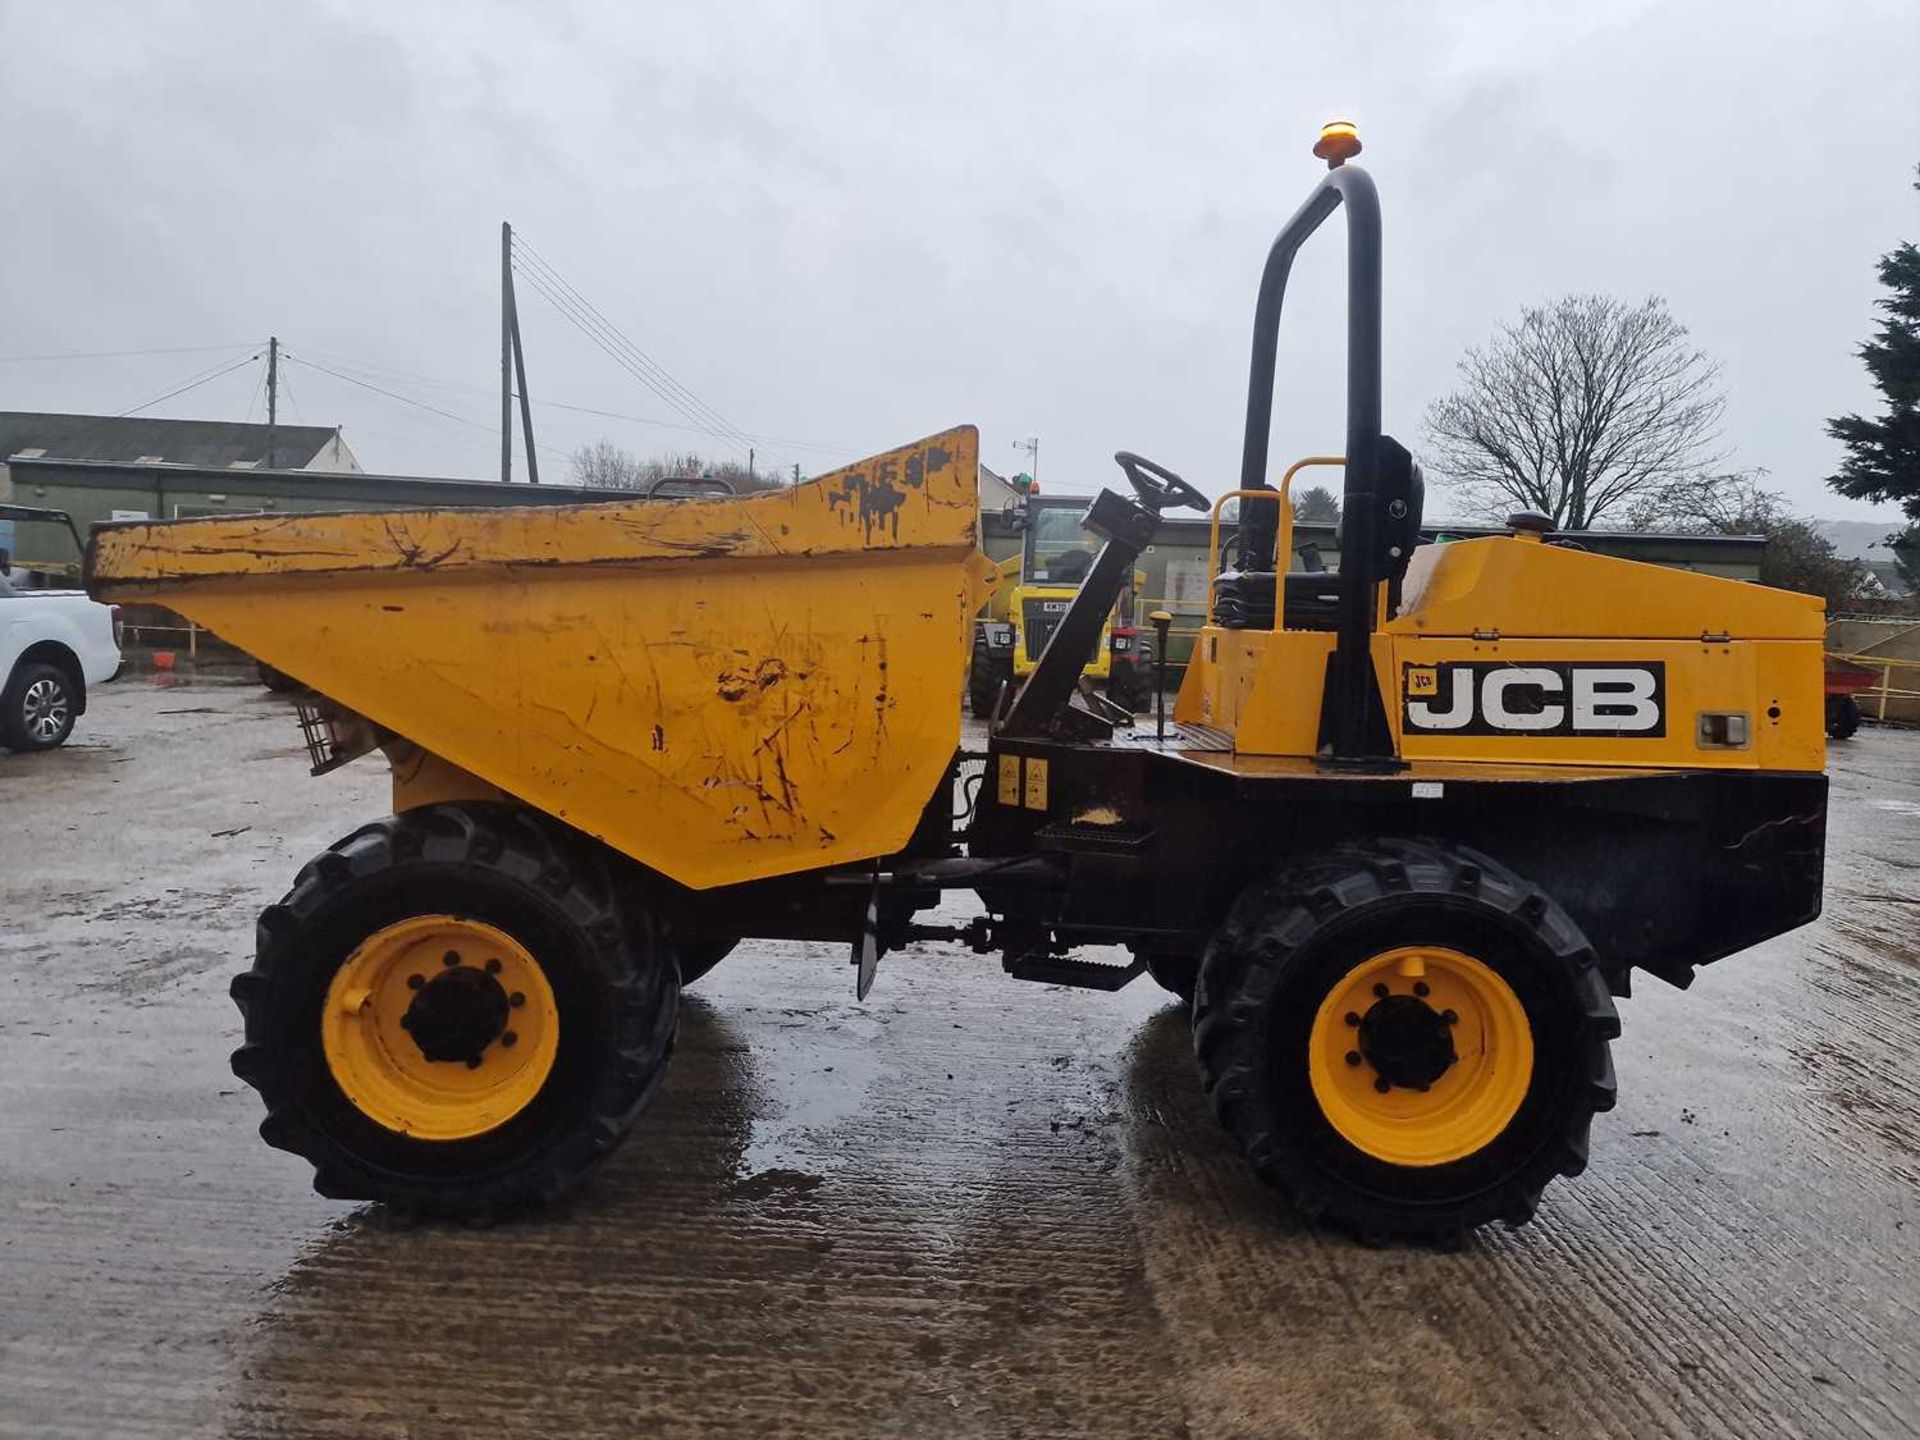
(808, 1087)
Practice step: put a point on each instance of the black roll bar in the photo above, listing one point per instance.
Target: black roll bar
(1347, 707)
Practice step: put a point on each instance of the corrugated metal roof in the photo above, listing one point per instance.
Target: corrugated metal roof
(214, 443)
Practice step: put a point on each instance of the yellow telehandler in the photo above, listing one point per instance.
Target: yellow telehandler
(1403, 848)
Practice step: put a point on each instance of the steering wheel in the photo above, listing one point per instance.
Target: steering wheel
(1157, 486)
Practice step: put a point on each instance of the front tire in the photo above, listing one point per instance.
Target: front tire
(1843, 717)
(985, 684)
(449, 1013)
(38, 707)
(1406, 1038)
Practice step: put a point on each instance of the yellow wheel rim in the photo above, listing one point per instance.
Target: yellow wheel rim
(1412, 1017)
(440, 1028)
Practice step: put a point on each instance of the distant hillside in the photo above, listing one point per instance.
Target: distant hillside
(1859, 539)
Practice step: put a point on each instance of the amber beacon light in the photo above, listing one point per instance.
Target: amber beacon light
(1339, 142)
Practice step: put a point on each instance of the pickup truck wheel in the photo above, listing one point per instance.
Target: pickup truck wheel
(448, 1012)
(38, 708)
(1406, 1038)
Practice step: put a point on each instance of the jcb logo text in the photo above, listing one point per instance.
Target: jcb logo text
(1478, 697)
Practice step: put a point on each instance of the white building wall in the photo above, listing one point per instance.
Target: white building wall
(334, 456)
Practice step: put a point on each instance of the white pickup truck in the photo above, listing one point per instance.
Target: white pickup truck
(54, 644)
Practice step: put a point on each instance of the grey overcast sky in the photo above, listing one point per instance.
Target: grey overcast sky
(846, 225)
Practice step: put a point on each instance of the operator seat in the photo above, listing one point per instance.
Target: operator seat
(1243, 599)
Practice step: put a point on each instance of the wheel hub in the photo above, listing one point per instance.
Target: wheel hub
(440, 1027)
(44, 709)
(457, 1015)
(1407, 1041)
(1420, 1055)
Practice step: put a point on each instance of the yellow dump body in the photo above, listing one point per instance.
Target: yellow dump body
(724, 689)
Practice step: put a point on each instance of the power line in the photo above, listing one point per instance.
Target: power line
(193, 383)
(211, 373)
(542, 274)
(685, 397)
(254, 398)
(704, 429)
(287, 385)
(403, 399)
(370, 369)
(119, 354)
(613, 346)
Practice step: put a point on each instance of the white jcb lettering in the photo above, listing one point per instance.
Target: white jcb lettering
(1617, 700)
(1459, 712)
(1540, 716)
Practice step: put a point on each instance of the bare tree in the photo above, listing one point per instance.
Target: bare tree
(1576, 409)
(605, 466)
(608, 467)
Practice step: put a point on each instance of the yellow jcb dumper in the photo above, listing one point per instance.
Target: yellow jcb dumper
(1403, 850)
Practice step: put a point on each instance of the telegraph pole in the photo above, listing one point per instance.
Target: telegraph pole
(506, 352)
(273, 399)
(512, 350)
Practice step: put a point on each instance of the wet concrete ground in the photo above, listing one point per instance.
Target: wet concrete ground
(971, 1206)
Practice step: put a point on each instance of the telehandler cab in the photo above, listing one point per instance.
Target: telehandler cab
(1036, 588)
(1403, 850)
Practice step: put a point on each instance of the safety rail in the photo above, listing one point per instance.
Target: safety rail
(1878, 695)
(1283, 547)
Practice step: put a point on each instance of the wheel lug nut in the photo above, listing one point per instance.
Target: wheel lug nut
(516, 1000)
(493, 967)
(414, 982)
(509, 1039)
(473, 1062)
(1352, 1018)
(1420, 987)
(450, 959)
(1449, 1017)
(1380, 992)
(406, 1022)
(1382, 1084)
(1353, 1057)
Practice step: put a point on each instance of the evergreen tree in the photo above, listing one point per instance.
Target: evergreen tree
(1883, 455)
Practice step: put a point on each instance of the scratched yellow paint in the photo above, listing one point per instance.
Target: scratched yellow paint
(723, 689)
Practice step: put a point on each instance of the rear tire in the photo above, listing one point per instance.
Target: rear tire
(1467, 1140)
(1843, 717)
(515, 884)
(38, 707)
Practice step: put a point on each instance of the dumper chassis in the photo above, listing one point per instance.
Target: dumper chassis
(1400, 858)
